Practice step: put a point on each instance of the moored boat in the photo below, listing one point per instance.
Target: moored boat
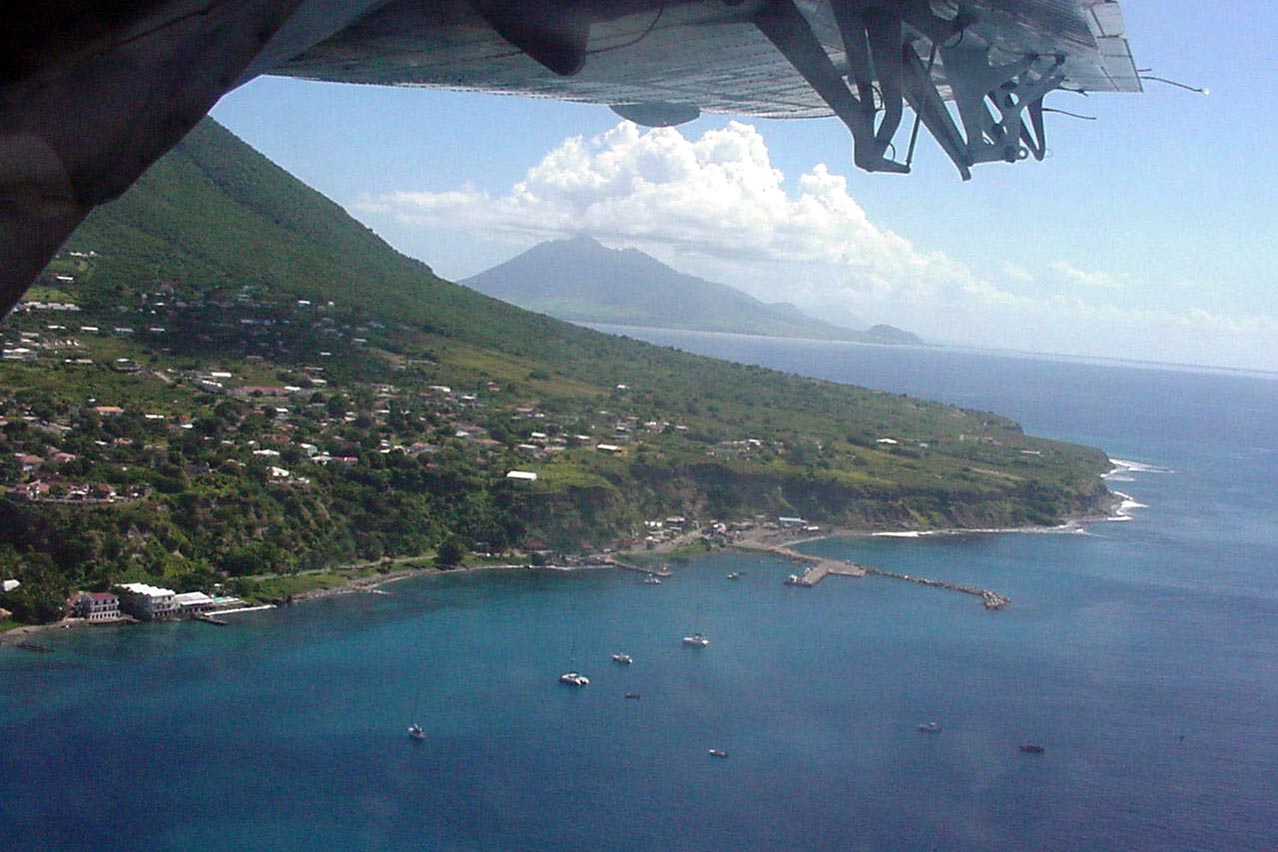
(574, 679)
(696, 640)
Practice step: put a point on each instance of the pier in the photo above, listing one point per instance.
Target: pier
(819, 568)
(991, 600)
(659, 571)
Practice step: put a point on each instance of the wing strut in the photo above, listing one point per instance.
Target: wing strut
(784, 25)
(884, 72)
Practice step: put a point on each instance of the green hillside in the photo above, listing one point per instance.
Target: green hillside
(254, 383)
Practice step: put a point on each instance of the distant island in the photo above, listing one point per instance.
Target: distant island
(582, 281)
(226, 383)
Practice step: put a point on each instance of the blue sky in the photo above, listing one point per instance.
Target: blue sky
(1149, 233)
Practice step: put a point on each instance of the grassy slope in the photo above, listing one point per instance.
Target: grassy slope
(217, 214)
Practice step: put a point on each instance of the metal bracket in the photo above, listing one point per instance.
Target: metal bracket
(784, 25)
(1010, 88)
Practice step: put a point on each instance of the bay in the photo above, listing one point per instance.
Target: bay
(1142, 655)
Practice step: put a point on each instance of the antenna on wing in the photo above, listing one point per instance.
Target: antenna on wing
(1070, 114)
(1201, 90)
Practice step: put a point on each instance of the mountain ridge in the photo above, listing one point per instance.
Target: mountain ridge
(580, 280)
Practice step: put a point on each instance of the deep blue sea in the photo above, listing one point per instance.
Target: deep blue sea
(1142, 655)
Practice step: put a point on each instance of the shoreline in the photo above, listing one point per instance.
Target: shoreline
(759, 539)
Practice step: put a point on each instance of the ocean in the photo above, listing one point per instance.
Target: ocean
(1141, 654)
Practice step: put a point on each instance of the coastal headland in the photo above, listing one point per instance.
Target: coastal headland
(338, 404)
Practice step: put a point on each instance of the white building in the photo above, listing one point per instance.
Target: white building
(189, 602)
(147, 602)
(98, 606)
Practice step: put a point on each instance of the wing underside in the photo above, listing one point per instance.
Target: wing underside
(990, 62)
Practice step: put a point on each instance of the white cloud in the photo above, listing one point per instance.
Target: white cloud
(715, 206)
(1073, 276)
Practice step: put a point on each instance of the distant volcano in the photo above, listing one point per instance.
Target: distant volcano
(582, 281)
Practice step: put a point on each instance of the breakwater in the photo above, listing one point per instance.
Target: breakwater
(819, 568)
(991, 600)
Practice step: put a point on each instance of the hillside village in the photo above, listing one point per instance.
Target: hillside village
(223, 379)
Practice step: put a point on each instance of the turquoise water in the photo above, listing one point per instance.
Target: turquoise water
(1142, 655)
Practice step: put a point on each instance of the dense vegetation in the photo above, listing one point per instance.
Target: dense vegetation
(256, 384)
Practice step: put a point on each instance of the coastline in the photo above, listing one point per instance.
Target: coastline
(758, 539)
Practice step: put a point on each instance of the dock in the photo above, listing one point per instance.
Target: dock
(818, 568)
(659, 571)
(822, 568)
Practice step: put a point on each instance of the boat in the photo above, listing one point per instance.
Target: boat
(735, 575)
(651, 580)
(415, 731)
(696, 640)
(930, 727)
(717, 752)
(632, 695)
(1030, 748)
(624, 659)
(574, 679)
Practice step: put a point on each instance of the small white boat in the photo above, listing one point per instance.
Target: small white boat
(574, 679)
(415, 732)
(624, 659)
(735, 575)
(696, 640)
(652, 580)
(930, 727)
(717, 752)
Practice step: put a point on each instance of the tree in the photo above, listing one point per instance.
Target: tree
(451, 552)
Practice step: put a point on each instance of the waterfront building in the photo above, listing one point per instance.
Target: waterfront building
(192, 602)
(150, 603)
(98, 606)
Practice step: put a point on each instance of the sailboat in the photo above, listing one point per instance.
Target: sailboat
(574, 677)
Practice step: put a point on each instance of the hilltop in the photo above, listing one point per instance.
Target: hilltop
(582, 281)
(224, 376)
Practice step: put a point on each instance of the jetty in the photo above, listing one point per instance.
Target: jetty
(991, 600)
(822, 568)
(818, 568)
(658, 571)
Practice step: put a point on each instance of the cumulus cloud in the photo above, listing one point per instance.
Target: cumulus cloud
(716, 197)
(715, 206)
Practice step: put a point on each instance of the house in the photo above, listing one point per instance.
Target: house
(791, 523)
(97, 606)
(28, 462)
(149, 603)
(522, 475)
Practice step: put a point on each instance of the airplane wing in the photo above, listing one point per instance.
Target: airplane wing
(92, 92)
(663, 62)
